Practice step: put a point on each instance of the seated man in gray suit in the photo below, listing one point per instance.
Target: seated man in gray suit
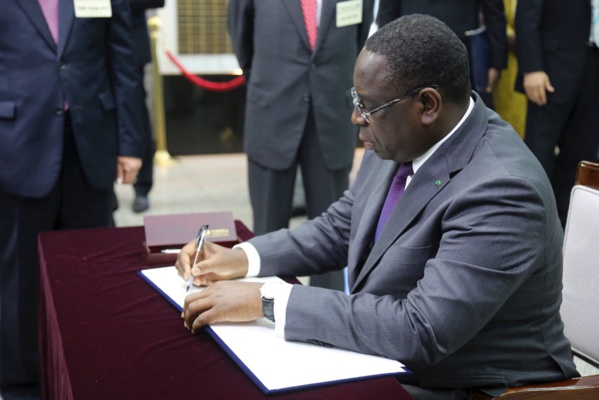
(462, 283)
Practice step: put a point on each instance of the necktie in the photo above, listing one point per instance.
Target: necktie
(50, 10)
(595, 23)
(395, 191)
(309, 10)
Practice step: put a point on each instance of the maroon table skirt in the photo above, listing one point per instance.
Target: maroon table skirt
(106, 334)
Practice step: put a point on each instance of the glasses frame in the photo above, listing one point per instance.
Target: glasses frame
(365, 114)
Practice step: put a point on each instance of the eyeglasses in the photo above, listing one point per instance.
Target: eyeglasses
(360, 107)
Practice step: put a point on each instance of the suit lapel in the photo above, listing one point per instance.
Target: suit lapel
(327, 19)
(372, 209)
(427, 183)
(66, 15)
(33, 10)
(417, 195)
(421, 191)
(294, 8)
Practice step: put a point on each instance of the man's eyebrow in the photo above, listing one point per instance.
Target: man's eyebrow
(364, 98)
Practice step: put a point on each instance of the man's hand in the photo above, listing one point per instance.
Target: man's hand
(536, 86)
(223, 302)
(127, 169)
(217, 263)
(493, 79)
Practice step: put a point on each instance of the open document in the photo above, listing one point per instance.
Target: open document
(274, 364)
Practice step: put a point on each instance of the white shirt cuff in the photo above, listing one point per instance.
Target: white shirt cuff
(253, 258)
(280, 292)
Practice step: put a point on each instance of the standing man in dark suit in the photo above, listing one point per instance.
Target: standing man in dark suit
(143, 56)
(69, 128)
(297, 97)
(463, 281)
(461, 16)
(558, 61)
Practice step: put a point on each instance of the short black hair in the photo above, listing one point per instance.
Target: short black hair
(421, 50)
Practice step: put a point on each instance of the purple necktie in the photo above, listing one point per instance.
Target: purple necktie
(395, 191)
(50, 10)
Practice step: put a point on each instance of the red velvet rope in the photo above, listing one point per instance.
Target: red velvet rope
(203, 83)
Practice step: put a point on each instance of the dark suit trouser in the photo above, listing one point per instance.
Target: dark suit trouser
(145, 177)
(70, 204)
(271, 192)
(573, 126)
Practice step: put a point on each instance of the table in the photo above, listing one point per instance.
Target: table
(106, 334)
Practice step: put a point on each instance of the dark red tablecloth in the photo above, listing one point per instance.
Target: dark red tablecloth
(106, 334)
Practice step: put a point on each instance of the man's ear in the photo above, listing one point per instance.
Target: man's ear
(432, 103)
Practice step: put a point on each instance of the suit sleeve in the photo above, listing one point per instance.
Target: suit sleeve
(496, 23)
(528, 36)
(315, 247)
(240, 24)
(125, 83)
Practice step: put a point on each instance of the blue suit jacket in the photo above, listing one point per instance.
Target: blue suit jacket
(92, 66)
(143, 53)
(464, 283)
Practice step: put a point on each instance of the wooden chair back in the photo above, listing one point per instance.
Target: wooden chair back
(588, 174)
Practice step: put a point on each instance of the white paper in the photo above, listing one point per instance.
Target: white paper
(276, 363)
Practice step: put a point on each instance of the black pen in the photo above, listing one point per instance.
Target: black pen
(199, 247)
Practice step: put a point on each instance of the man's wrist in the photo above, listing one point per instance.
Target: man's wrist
(279, 293)
(252, 256)
(268, 302)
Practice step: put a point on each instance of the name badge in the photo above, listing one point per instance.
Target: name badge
(93, 9)
(349, 13)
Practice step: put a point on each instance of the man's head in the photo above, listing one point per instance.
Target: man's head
(419, 60)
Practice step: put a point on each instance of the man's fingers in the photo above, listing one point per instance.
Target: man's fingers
(183, 260)
(541, 96)
(202, 320)
(196, 307)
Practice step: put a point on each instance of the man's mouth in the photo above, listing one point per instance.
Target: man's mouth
(368, 145)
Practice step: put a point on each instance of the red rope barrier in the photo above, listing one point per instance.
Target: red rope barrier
(203, 83)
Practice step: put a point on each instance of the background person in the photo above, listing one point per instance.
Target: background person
(69, 129)
(143, 56)
(298, 105)
(558, 61)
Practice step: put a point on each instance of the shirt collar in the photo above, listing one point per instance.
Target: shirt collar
(418, 162)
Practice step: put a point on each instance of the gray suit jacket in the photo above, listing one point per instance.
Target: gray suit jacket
(463, 285)
(284, 77)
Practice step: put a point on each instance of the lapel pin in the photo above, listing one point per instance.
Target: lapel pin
(438, 183)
